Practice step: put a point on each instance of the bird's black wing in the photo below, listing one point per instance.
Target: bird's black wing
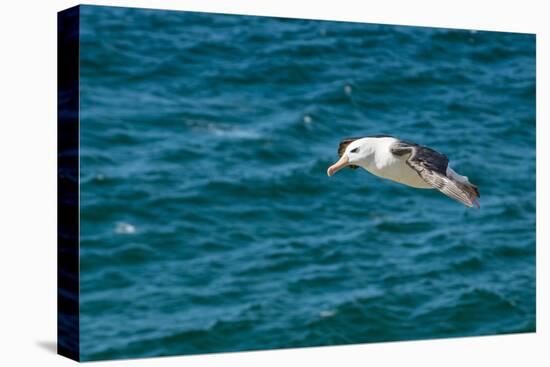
(431, 166)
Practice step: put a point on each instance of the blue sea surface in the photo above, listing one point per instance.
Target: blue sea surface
(208, 223)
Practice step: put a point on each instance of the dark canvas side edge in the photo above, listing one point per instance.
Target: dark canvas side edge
(68, 326)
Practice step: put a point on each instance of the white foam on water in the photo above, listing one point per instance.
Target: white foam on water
(327, 313)
(125, 228)
(347, 89)
(234, 133)
(223, 130)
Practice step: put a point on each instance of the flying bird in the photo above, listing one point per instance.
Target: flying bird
(407, 163)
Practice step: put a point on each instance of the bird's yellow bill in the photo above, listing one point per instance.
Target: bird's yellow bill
(343, 162)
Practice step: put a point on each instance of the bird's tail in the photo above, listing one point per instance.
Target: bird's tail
(465, 185)
(472, 191)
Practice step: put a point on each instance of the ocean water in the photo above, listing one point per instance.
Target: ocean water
(208, 223)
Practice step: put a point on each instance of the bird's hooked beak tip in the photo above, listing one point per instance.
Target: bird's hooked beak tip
(343, 162)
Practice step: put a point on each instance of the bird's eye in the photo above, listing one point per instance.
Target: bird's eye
(355, 150)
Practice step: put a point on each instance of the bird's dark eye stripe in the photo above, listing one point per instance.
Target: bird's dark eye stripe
(355, 150)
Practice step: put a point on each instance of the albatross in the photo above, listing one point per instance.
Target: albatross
(407, 163)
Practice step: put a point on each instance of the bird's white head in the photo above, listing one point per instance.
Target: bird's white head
(354, 152)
